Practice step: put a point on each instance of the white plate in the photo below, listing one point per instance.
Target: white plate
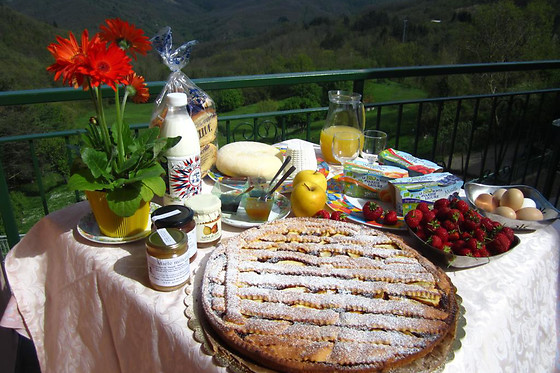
(240, 219)
(287, 185)
(88, 229)
(352, 207)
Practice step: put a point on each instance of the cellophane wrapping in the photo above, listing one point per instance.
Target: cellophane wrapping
(200, 105)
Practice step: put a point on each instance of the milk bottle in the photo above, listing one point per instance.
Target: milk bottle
(183, 178)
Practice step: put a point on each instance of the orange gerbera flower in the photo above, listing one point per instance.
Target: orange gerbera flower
(125, 35)
(137, 88)
(107, 65)
(70, 57)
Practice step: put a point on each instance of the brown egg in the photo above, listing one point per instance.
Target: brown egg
(529, 213)
(512, 198)
(485, 202)
(498, 193)
(506, 212)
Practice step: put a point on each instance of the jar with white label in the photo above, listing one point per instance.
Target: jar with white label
(168, 260)
(208, 217)
(180, 217)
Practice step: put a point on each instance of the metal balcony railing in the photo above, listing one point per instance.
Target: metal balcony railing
(499, 138)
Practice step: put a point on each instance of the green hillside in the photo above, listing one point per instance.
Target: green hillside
(23, 53)
(254, 37)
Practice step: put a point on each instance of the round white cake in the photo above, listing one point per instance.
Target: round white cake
(249, 159)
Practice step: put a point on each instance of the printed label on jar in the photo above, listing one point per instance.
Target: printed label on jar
(191, 243)
(209, 229)
(169, 272)
(184, 177)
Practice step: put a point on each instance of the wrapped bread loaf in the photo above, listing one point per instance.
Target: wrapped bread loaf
(201, 107)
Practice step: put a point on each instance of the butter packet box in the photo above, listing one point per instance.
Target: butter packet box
(408, 192)
(365, 180)
(414, 166)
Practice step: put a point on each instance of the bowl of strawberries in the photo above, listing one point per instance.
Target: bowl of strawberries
(453, 233)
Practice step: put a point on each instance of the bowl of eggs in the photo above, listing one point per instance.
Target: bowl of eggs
(519, 207)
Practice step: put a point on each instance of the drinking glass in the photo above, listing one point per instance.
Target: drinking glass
(346, 146)
(374, 143)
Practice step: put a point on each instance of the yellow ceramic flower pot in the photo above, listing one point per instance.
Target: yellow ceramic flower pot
(112, 225)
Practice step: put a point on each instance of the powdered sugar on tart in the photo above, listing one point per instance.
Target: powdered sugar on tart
(314, 295)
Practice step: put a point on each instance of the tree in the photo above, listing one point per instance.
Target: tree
(229, 100)
(504, 32)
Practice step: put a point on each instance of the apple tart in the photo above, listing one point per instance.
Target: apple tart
(316, 295)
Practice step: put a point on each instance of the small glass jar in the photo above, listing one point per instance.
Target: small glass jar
(180, 217)
(168, 260)
(258, 209)
(208, 218)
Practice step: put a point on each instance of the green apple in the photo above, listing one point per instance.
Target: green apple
(312, 176)
(307, 198)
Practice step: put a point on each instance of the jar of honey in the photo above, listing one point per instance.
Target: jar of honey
(257, 208)
(168, 260)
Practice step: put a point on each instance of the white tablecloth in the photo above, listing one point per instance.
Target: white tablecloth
(89, 307)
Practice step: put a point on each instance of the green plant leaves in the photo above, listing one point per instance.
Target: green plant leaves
(82, 179)
(155, 184)
(97, 162)
(136, 177)
(125, 201)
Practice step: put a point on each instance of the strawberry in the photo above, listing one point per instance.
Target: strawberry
(413, 218)
(472, 244)
(442, 233)
(435, 241)
(322, 214)
(421, 233)
(442, 213)
(339, 215)
(457, 245)
(461, 206)
(468, 225)
(500, 244)
(509, 233)
(435, 211)
(482, 253)
(449, 225)
(455, 216)
(428, 216)
(432, 225)
(390, 218)
(372, 211)
(465, 235)
(497, 225)
(423, 206)
(479, 234)
(463, 252)
(487, 224)
(453, 235)
(473, 216)
(442, 202)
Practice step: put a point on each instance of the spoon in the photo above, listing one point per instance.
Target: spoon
(284, 164)
(284, 177)
(250, 188)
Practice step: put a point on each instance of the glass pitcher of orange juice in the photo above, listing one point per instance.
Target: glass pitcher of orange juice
(346, 114)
